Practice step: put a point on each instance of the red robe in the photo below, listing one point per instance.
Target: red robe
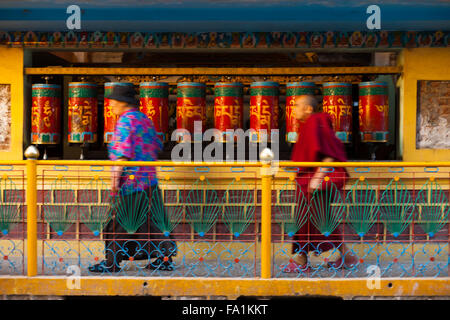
(317, 140)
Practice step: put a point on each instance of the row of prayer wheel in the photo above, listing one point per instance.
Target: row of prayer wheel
(191, 106)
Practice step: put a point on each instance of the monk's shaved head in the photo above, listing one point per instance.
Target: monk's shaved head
(305, 105)
(308, 100)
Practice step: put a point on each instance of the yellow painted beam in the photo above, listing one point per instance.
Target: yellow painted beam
(229, 287)
(352, 164)
(13, 162)
(228, 164)
(213, 71)
(148, 163)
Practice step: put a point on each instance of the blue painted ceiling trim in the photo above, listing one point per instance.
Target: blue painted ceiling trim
(222, 17)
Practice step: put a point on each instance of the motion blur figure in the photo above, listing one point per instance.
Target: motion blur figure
(317, 142)
(135, 139)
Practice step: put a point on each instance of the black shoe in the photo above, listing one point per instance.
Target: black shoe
(160, 264)
(103, 268)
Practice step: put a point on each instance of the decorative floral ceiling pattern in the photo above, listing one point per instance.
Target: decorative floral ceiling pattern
(224, 40)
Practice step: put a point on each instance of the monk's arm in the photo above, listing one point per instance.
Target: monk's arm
(319, 175)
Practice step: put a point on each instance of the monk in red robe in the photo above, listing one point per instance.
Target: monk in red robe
(317, 142)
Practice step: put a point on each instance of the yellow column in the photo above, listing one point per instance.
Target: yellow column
(32, 154)
(266, 230)
(266, 157)
(12, 74)
(419, 64)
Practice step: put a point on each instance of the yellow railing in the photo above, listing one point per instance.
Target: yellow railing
(270, 254)
(266, 185)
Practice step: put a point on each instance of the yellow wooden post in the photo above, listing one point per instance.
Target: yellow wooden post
(266, 212)
(32, 154)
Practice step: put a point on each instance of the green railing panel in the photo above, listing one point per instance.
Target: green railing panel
(433, 208)
(292, 213)
(240, 211)
(325, 216)
(59, 215)
(363, 207)
(396, 207)
(95, 216)
(9, 205)
(202, 206)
